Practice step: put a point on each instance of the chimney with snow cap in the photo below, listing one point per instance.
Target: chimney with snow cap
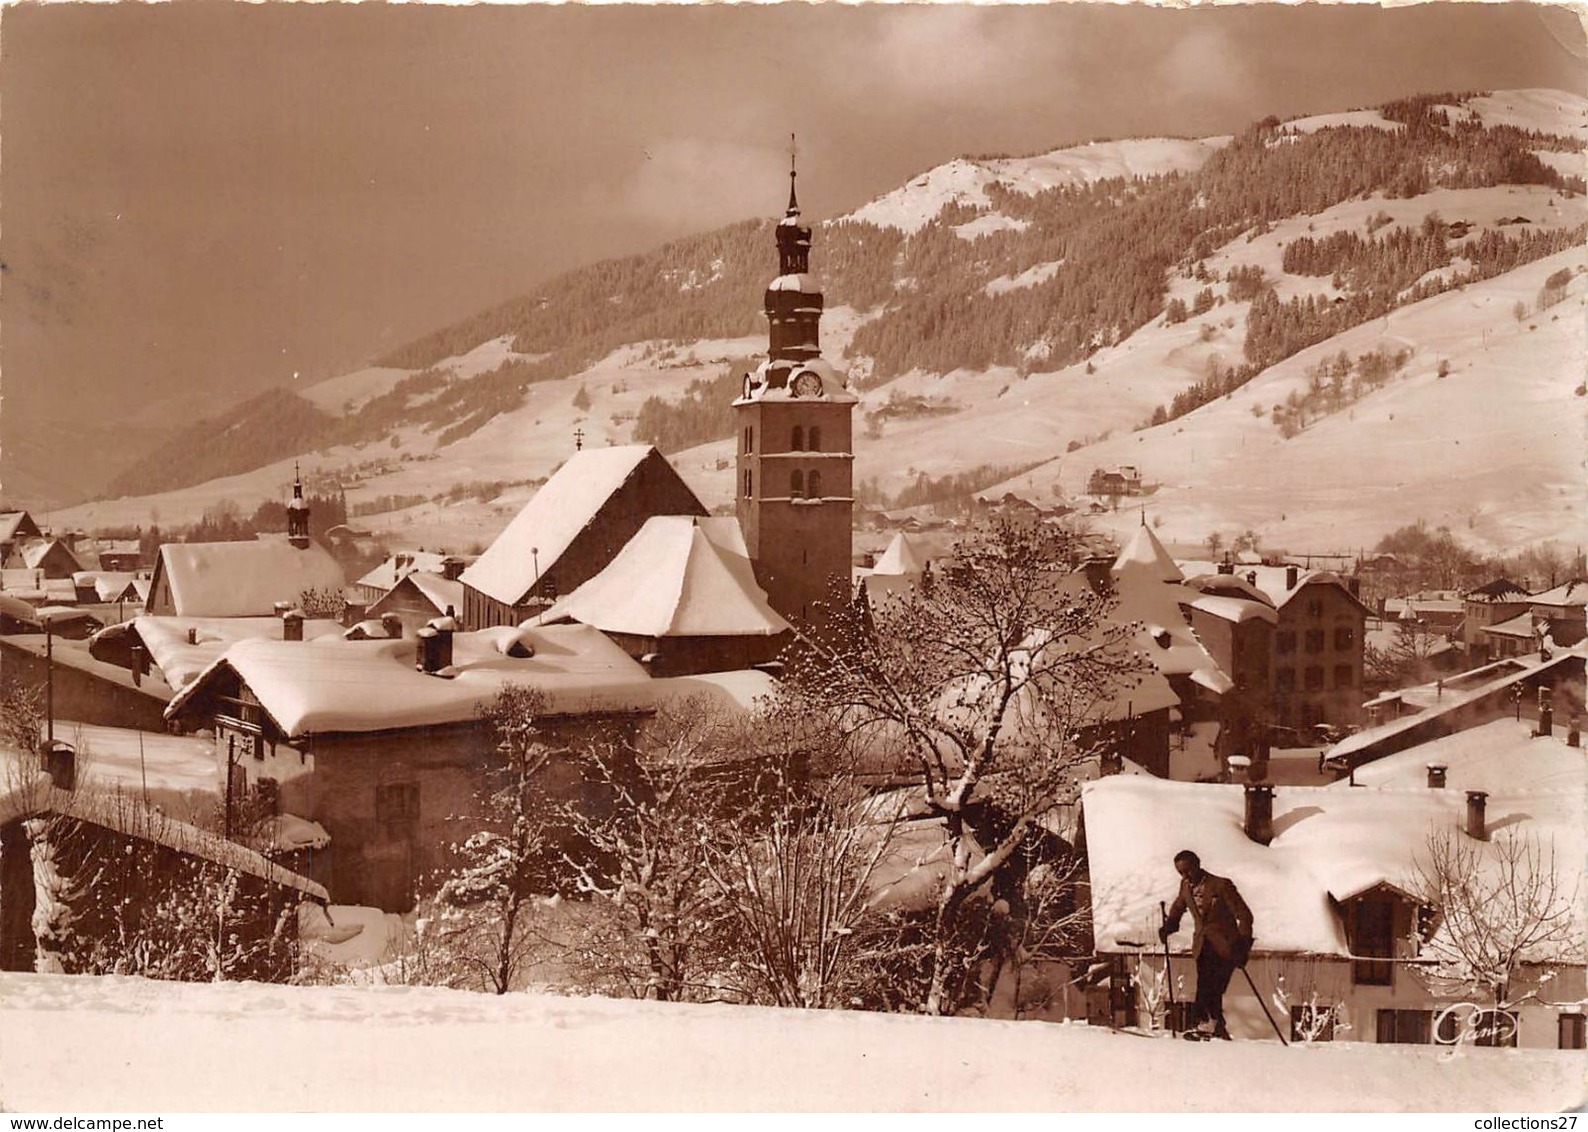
(435, 644)
(1546, 712)
(1259, 823)
(1574, 732)
(1476, 829)
(1436, 776)
(1292, 575)
(292, 625)
(1240, 768)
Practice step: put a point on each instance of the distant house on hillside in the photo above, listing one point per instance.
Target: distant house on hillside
(238, 579)
(681, 597)
(1123, 480)
(570, 531)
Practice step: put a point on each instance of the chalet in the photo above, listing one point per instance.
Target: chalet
(239, 579)
(1490, 604)
(419, 598)
(1124, 480)
(682, 598)
(103, 862)
(16, 527)
(382, 579)
(572, 528)
(388, 754)
(50, 558)
(1347, 936)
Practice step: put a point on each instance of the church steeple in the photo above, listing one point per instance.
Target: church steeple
(297, 512)
(794, 300)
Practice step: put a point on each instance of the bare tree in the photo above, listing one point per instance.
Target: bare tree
(981, 688)
(478, 928)
(1498, 904)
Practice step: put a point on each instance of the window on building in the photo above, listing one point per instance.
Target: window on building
(1284, 680)
(1285, 641)
(1315, 678)
(816, 438)
(1307, 1019)
(1315, 608)
(1344, 677)
(1344, 638)
(1370, 927)
(1573, 1030)
(1314, 640)
(816, 484)
(796, 484)
(397, 809)
(1405, 1027)
(747, 483)
(797, 444)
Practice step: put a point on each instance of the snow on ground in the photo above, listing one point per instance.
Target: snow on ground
(1550, 111)
(1360, 118)
(989, 222)
(257, 1047)
(349, 391)
(1030, 277)
(911, 207)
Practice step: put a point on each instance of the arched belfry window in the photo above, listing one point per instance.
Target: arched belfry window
(816, 484)
(798, 443)
(796, 484)
(816, 438)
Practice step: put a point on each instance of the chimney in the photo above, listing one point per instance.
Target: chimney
(292, 625)
(60, 763)
(1574, 732)
(1546, 712)
(1259, 823)
(1292, 574)
(1226, 567)
(1436, 776)
(1475, 826)
(137, 659)
(451, 567)
(393, 625)
(435, 644)
(353, 612)
(1240, 768)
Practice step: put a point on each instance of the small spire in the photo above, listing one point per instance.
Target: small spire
(578, 440)
(793, 173)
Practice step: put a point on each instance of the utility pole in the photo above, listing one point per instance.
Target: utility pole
(49, 684)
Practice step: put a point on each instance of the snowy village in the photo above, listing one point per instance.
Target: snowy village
(751, 698)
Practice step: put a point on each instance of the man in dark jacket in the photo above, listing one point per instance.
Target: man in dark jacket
(1223, 938)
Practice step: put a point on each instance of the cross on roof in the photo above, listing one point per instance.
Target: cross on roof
(578, 439)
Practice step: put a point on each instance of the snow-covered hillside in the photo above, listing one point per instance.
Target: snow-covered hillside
(911, 207)
(111, 1044)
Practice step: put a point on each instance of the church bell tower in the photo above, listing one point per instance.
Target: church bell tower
(795, 467)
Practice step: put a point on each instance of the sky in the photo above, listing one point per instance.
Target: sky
(200, 200)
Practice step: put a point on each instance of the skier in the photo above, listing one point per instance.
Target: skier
(1222, 942)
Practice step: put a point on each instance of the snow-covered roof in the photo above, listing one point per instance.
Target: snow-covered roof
(333, 685)
(1443, 698)
(539, 535)
(400, 565)
(435, 589)
(34, 553)
(904, 557)
(181, 659)
(679, 576)
(111, 586)
(1329, 845)
(243, 579)
(287, 833)
(1144, 549)
(1523, 625)
(124, 815)
(1501, 756)
(10, 521)
(1166, 639)
(14, 607)
(1272, 580)
(1572, 594)
(1500, 590)
(1235, 609)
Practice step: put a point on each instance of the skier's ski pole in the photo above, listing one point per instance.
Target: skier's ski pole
(1264, 1005)
(1168, 975)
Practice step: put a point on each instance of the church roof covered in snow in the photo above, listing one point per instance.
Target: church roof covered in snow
(568, 503)
(680, 576)
(241, 579)
(1330, 844)
(332, 685)
(905, 556)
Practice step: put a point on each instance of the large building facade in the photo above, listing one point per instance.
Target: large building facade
(795, 470)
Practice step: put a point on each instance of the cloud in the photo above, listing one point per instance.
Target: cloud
(702, 182)
(1206, 67)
